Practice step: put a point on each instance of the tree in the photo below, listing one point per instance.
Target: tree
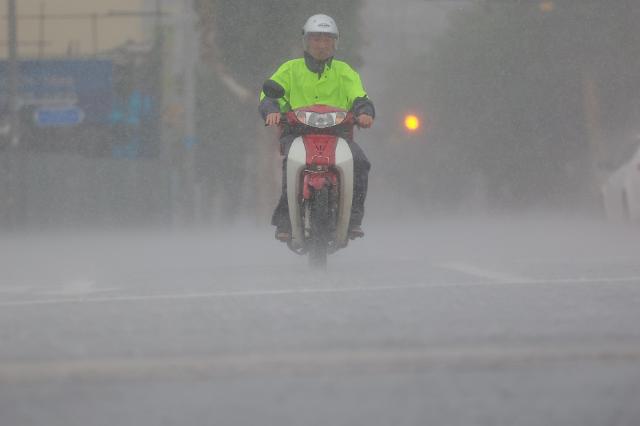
(505, 87)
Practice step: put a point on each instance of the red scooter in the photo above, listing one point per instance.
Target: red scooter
(319, 177)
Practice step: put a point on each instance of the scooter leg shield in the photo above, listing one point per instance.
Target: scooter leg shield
(296, 161)
(344, 165)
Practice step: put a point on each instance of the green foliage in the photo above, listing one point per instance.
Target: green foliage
(506, 86)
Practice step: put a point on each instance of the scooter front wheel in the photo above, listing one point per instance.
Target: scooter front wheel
(319, 229)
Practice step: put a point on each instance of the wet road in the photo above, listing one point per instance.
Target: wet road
(500, 322)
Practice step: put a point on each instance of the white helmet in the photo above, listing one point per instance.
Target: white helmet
(319, 24)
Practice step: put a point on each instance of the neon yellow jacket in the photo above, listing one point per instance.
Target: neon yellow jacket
(335, 84)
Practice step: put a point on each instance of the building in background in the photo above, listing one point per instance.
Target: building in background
(63, 99)
(90, 101)
(54, 28)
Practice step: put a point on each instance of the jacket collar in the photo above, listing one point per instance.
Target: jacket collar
(315, 65)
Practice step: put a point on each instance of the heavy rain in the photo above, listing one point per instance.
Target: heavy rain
(498, 278)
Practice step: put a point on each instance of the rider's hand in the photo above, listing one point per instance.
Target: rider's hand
(272, 119)
(365, 121)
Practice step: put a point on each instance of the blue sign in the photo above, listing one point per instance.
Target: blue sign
(58, 117)
(51, 84)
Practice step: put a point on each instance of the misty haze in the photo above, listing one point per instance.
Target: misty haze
(498, 278)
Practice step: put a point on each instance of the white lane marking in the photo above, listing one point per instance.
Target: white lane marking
(483, 273)
(77, 288)
(16, 290)
(73, 288)
(312, 291)
(341, 361)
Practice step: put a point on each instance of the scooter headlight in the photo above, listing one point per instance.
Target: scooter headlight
(320, 120)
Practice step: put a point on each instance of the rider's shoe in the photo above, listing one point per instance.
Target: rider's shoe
(283, 234)
(355, 232)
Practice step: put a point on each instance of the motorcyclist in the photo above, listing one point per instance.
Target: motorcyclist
(318, 78)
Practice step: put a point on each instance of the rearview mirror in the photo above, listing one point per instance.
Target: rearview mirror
(272, 89)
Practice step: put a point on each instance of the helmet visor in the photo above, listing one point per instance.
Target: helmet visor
(319, 35)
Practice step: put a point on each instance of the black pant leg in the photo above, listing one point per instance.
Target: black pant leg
(361, 167)
(280, 216)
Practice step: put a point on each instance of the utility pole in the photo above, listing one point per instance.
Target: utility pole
(591, 100)
(190, 57)
(14, 157)
(41, 32)
(14, 117)
(94, 32)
